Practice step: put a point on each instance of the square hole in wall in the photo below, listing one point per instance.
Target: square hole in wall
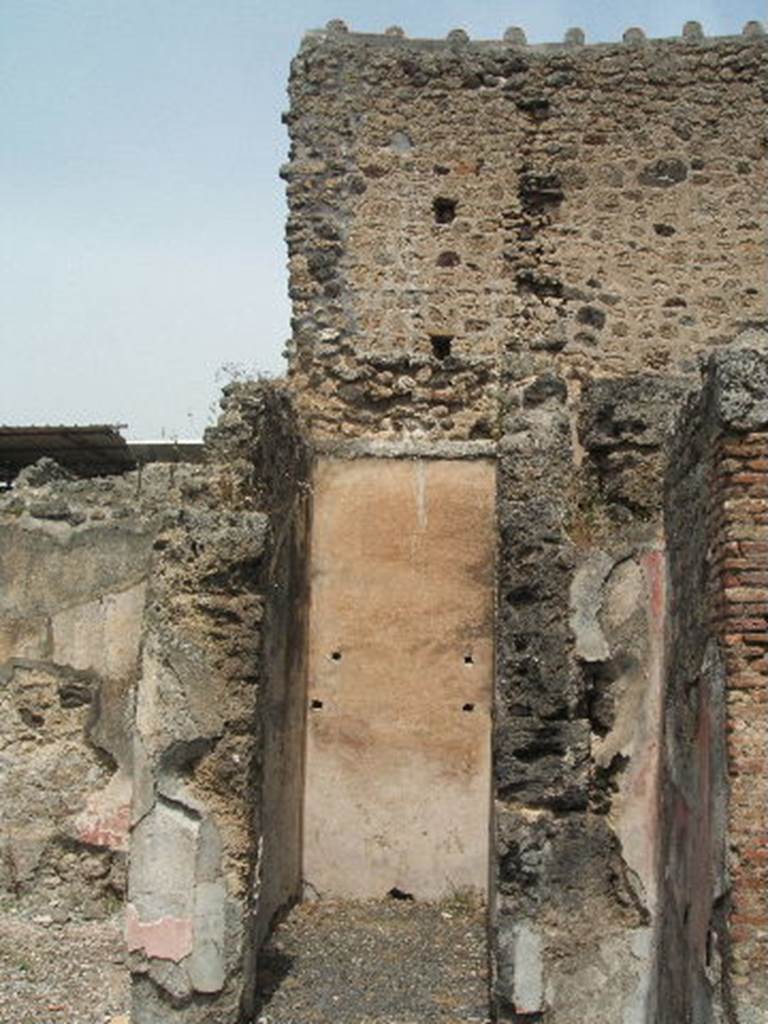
(444, 210)
(441, 345)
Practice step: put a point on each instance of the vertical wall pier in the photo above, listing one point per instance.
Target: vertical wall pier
(578, 691)
(218, 744)
(714, 933)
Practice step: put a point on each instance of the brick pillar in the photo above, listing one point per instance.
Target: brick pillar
(740, 571)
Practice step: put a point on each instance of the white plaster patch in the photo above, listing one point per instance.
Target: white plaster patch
(635, 1009)
(528, 992)
(624, 594)
(207, 970)
(164, 848)
(586, 602)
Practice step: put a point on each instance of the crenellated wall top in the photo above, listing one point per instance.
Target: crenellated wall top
(574, 38)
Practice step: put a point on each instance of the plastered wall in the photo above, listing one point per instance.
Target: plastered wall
(152, 685)
(400, 678)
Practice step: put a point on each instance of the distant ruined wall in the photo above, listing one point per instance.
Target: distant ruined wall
(74, 562)
(465, 215)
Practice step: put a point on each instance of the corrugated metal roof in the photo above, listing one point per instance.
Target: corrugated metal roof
(94, 450)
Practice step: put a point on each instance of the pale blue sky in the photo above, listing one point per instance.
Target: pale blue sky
(142, 214)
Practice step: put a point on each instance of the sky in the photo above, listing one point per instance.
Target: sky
(142, 260)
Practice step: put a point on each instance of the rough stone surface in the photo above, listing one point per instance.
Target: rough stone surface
(74, 558)
(465, 215)
(739, 381)
(215, 799)
(624, 425)
(579, 689)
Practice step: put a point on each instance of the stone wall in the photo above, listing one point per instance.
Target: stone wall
(74, 562)
(218, 737)
(693, 808)
(152, 682)
(468, 214)
(620, 870)
(579, 683)
(196, 752)
(258, 432)
(538, 246)
(742, 615)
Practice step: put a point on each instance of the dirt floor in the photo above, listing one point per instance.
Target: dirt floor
(394, 962)
(62, 973)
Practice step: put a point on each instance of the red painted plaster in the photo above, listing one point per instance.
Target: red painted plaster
(167, 938)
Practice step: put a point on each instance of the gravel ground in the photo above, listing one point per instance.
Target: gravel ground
(395, 962)
(71, 973)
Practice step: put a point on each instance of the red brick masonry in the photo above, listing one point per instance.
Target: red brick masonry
(740, 579)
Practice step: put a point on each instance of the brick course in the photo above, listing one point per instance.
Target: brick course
(739, 578)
